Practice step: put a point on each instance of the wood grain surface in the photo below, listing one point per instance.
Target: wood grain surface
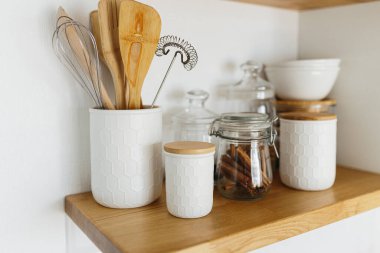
(303, 4)
(95, 28)
(325, 102)
(189, 147)
(309, 116)
(232, 226)
(139, 33)
(108, 14)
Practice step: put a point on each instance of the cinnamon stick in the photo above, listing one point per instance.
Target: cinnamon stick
(233, 163)
(231, 173)
(244, 158)
(233, 151)
(236, 164)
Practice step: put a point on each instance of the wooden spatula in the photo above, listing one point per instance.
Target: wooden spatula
(83, 56)
(108, 12)
(94, 20)
(139, 33)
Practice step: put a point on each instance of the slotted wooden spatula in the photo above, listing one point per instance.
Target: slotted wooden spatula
(139, 33)
(108, 12)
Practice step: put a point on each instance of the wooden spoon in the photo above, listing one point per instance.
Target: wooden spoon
(94, 20)
(83, 57)
(108, 12)
(139, 33)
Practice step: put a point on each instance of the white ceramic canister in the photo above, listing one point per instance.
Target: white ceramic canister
(308, 150)
(189, 173)
(126, 165)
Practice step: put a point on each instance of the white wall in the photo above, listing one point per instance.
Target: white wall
(44, 151)
(358, 234)
(351, 33)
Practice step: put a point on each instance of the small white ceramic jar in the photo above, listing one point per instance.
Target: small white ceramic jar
(189, 173)
(126, 163)
(308, 150)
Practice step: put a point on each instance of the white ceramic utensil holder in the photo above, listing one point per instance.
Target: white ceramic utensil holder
(308, 151)
(126, 165)
(189, 182)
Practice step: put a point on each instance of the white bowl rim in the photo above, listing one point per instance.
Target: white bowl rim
(309, 62)
(271, 69)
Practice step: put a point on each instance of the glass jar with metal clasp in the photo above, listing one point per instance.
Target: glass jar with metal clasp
(244, 170)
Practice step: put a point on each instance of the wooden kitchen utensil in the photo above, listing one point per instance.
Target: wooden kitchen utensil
(139, 33)
(94, 20)
(108, 12)
(75, 51)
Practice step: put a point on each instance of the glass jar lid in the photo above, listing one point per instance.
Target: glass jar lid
(244, 126)
(252, 86)
(195, 113)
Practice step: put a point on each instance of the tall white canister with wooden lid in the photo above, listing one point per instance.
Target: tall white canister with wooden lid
(308, 150)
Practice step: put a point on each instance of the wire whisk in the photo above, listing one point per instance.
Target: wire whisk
(76, 48)
(189, 56)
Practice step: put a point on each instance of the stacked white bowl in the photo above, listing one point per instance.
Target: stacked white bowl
(304, 79)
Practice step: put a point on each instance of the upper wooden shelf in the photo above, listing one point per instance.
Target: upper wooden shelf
(232, 226)
(304, 4)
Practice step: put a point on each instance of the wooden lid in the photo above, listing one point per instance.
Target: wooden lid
(307, 116)
(189, 147)
(305, 102)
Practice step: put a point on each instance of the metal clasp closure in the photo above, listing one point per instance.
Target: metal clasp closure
(212, 130)
(273, 134)
(215, 130)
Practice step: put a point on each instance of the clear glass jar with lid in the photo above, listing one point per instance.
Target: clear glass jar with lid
(193, 123)
(244, 169)
(252, 93)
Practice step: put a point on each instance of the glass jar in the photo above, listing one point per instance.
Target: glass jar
(252, 93)
(244, 169)
(193, 123)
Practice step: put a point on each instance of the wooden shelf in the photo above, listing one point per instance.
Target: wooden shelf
(232, 226)
(304, 4)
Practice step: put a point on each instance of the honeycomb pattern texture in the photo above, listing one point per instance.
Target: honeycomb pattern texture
(308, 154)
(126, 166)
(189, 184)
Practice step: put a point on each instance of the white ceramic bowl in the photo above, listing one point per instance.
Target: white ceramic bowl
(302, 83)
(320, 63)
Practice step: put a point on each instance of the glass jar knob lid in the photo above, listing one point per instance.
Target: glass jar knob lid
(244, 117)
(197, 94)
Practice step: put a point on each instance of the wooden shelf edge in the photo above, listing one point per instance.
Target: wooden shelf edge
(257, 237)
(253, 238)
(84, 223)
(82, 209)
(302, 5)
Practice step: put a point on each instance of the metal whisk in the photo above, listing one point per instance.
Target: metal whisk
(75, 46)
(189, 56)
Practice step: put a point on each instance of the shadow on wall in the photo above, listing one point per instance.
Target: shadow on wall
(73, 105)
